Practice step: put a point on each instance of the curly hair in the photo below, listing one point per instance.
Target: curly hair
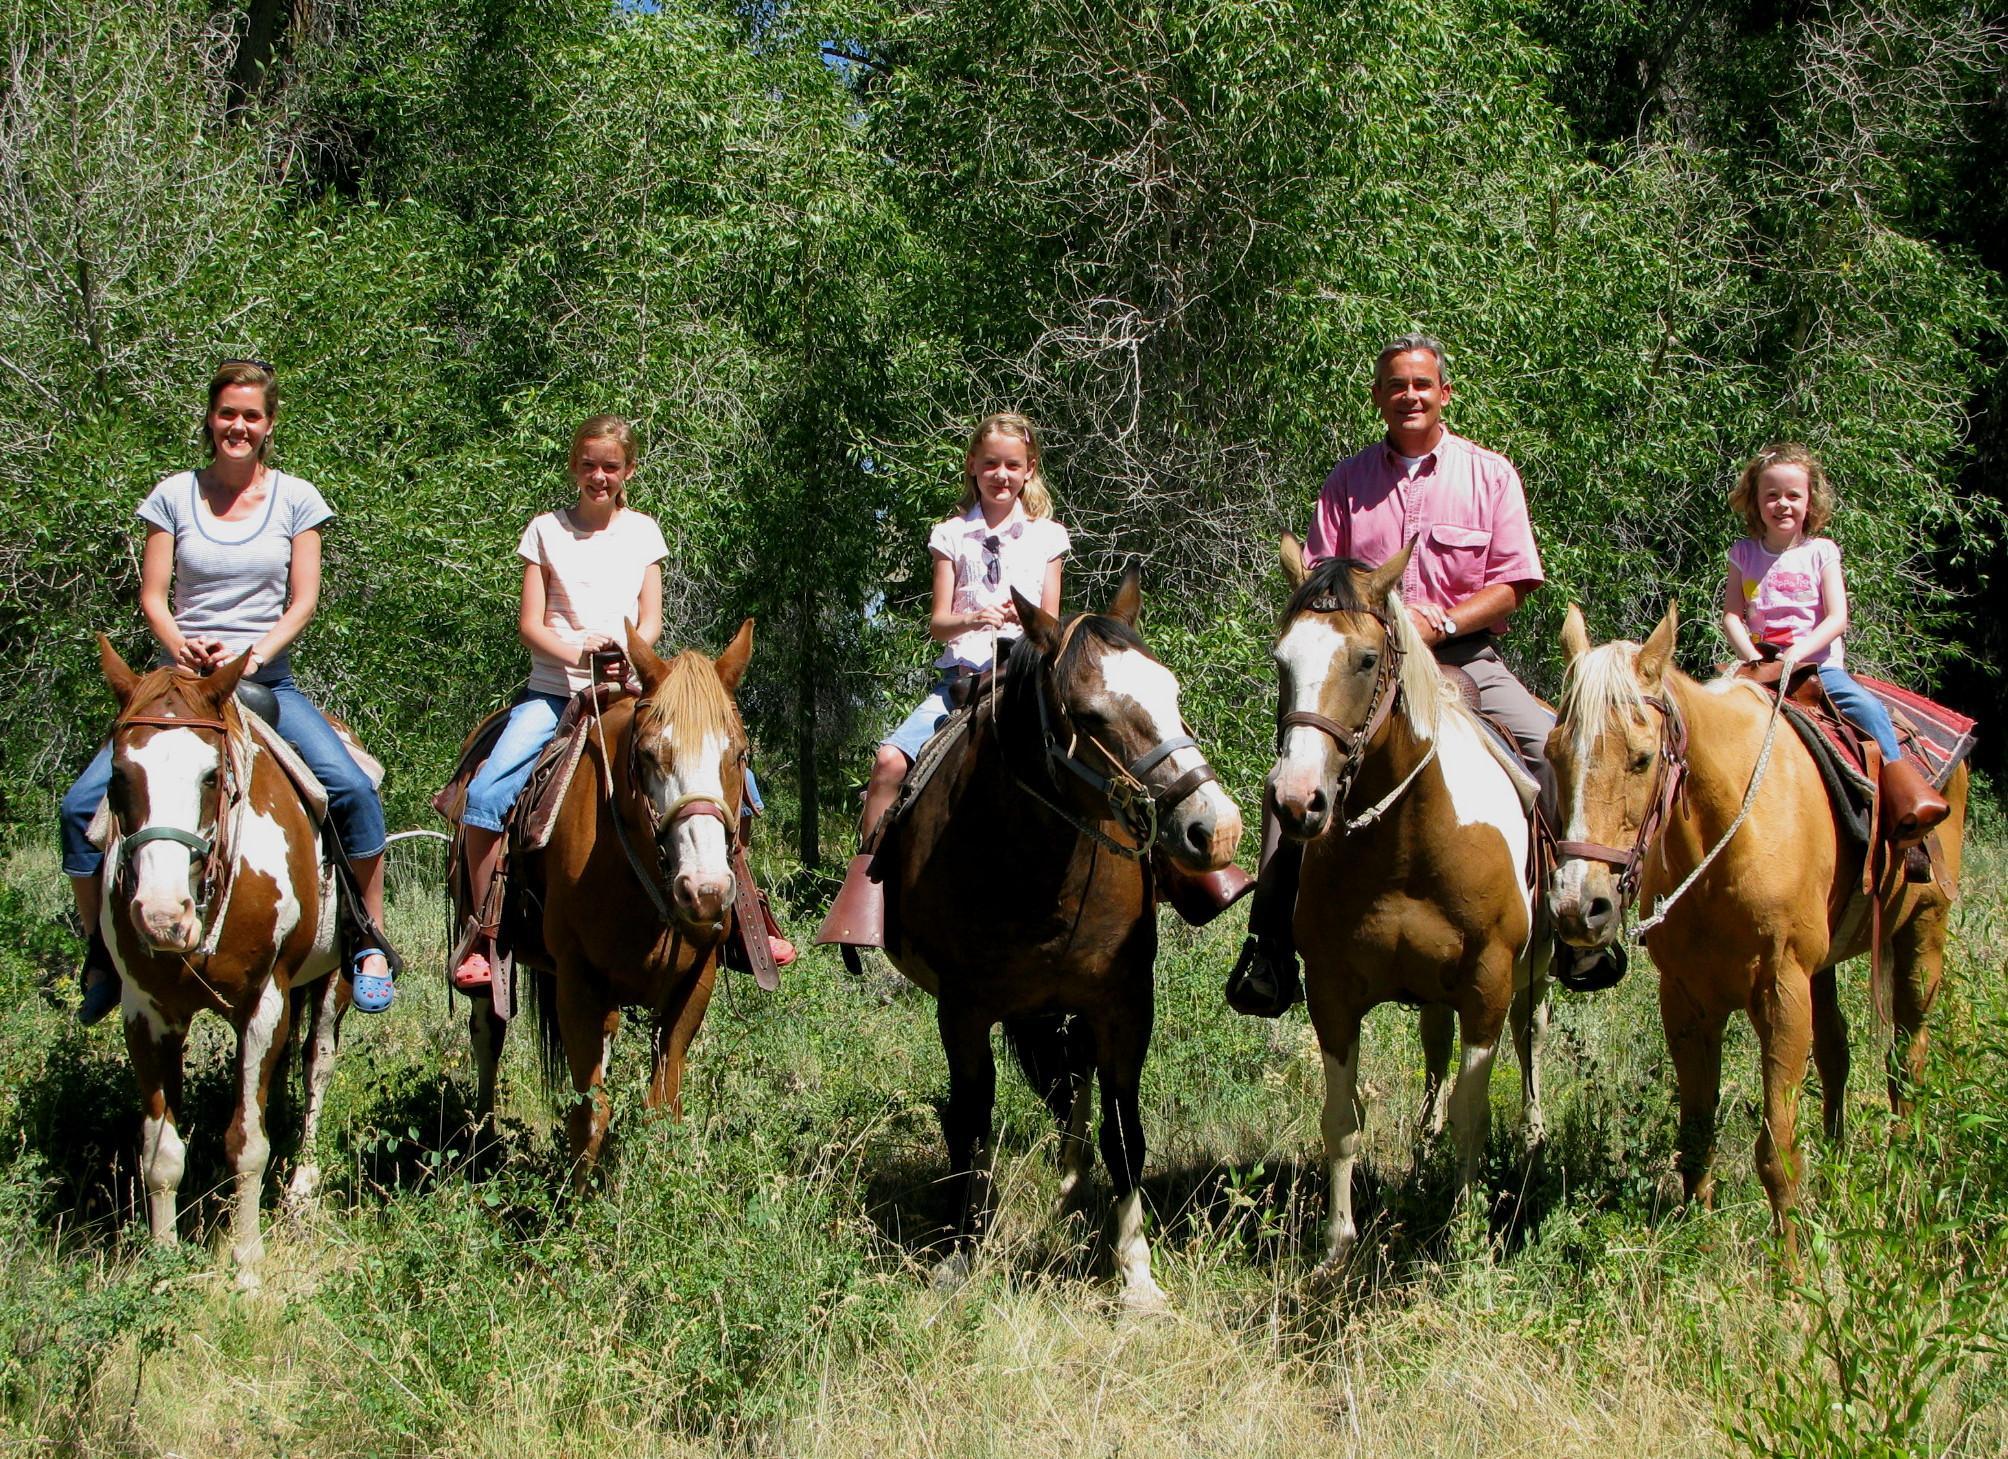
(1820, 499)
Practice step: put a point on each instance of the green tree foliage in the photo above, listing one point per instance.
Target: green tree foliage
(805, 244)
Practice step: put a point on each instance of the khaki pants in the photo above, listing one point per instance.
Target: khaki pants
(1504, 697)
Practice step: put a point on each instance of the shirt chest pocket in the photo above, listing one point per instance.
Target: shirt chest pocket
(1460, 544)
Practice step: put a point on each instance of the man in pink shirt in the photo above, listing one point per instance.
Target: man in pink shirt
(1474, 563)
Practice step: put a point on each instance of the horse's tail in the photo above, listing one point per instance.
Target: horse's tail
(551, 1063)
(1056, 1051)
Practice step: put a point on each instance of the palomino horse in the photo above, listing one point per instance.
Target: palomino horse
(1657, 767)
(1018, 890)
(1413, 885)
(636, 884)
(216, 898)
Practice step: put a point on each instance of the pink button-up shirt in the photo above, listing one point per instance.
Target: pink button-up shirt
(1464, 506)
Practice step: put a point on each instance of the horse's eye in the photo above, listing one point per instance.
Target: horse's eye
(1370, 658)
(1641, 762)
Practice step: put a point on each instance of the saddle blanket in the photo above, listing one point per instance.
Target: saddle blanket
(1938, 738)
(536, 811)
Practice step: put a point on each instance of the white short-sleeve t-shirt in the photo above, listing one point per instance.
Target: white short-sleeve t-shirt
(231, 579)
(989, 563)
(592, 584)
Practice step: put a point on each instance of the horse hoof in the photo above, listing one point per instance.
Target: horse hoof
(951, 1273)
(248, 1279)
(1145, 1299)
(303, 1187)
(1536, 1136)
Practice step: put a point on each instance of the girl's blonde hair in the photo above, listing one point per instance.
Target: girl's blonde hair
(1820, 501)
(1036, 497)
(243, 372)
(615, 428)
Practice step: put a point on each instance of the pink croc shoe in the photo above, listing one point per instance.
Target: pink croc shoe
(474, 975)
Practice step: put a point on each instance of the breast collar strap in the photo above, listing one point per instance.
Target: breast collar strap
(1669, 776)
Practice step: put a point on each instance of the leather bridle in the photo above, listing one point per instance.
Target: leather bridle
(208, 850)
(681, 809)
(1138, 800)
(1386, 691)
(1669, 773)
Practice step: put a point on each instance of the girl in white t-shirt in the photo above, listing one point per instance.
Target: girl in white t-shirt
(1002, 536)
(588, 570)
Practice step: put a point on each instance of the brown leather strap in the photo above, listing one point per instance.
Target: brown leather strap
(1316, 721)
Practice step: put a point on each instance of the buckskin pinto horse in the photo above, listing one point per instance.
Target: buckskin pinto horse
(1413, 886)
(636, 884)
(1653, 770)
(1018, 891)
(216, 898)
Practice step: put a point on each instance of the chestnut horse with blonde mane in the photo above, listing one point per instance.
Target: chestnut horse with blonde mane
(1019, 890)
(1414, 879)
(636, 884)
(1649, 759)
(218, 899)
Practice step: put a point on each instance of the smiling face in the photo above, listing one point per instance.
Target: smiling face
(1410, 392)
(998, 468)
(600, 471)
(1784, 496)
(239, 423)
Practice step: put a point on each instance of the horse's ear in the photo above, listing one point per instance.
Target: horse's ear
(1295, 569)
(732, 663)
(1128, 601)
(1387, 577)
(1039, 625)
(121, 678)
(1657, 654)
(1575, 635)
(219, 684)
(648, 666)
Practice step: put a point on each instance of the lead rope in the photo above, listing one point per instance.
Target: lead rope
(1665, 904)
(1381, 807)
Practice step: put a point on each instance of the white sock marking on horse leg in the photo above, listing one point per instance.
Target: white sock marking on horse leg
(1140, 1289)
(1075, 1151)
(161, 1158)
(254, 1045)
(316, 1069)
(1471, 1110)
(1343, 1116)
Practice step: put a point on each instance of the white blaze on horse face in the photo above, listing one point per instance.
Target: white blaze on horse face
(175, 766)
(1130, 674)
(1305, 655)
(697, 844)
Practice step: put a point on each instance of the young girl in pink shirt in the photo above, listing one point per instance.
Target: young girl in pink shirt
(1785, 590)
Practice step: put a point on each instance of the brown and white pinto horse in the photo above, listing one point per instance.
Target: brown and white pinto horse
(1413, 885)
(1018, 889)
(1657, 767)
(636, 884)
(216, 898)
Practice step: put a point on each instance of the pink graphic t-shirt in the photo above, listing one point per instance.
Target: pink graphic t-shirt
(1781, 591)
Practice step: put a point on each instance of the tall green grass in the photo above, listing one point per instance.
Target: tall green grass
(754, 1280)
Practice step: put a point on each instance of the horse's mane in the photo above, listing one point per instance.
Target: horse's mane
(1600, 685)
(689, 703)
(1331, 587)
(1100, 627)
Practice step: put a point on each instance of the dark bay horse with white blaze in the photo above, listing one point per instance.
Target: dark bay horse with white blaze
(1413, 885)
(217, 898)
(1656, 767)
(636, 884)
(1019, 891)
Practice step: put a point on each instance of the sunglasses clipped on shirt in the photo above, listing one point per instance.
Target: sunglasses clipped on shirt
(993, 565)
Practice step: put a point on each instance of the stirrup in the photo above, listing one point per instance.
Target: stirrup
(370, 992)
(1262, 984)
(474, 976)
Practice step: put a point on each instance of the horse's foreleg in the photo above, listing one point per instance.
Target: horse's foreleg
(1471, 1099)
(1781, 1009)
(1344, 1114)
(1121, 1046)
(328, 1001)
(673, 1033)
(588, 1027)
(1076, 1154)
(1529, 1018)
(156, 1048)
(1436, 1023)
(1917, 962)
(1694, 1039)
(1830, 1051)
(260, 1042)
(485, 1034)
(972, 1093)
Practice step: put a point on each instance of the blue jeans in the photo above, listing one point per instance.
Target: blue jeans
(352, 801)
(1862, 708)
(507, 769)
(919, 727)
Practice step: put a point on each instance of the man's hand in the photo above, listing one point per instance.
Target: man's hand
(1428, 622)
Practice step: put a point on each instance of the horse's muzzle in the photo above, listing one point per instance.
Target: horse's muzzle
(700, 899)
(1204, 835)
(1584, 901)
(169, 928)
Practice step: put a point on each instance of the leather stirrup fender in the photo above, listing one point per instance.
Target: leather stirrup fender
(857, 917)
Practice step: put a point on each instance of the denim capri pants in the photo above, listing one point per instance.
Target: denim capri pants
(917, 728)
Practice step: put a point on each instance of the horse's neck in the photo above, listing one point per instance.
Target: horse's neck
(1391, 759)
(1725, 733)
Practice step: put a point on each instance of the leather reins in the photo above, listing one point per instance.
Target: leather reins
(681, 809)
(1668, 775)
(1135, 802)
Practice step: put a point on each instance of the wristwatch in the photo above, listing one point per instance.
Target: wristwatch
(1447, 625)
